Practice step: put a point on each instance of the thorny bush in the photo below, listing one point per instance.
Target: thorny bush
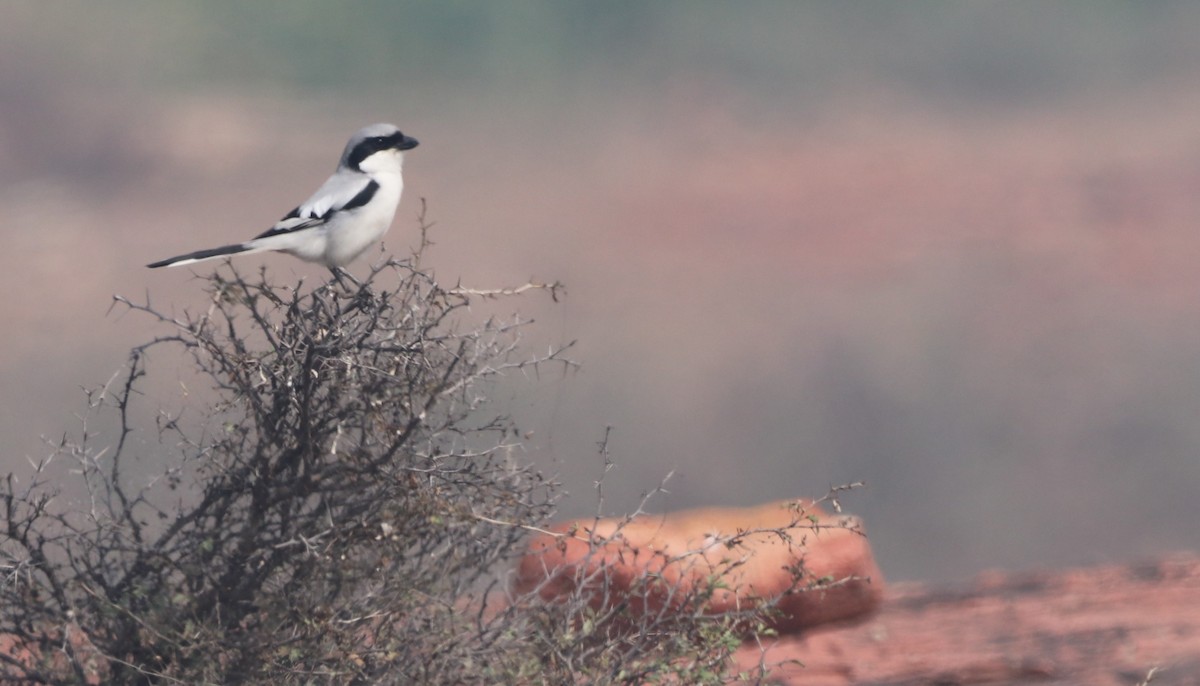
(330, 504)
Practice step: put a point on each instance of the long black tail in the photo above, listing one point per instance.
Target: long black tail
(200, 255)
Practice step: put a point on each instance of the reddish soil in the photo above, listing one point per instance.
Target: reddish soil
(1097, 626)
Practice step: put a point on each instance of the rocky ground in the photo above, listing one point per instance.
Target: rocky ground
(1098, 626)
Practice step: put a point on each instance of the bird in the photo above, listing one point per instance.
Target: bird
(350, 211)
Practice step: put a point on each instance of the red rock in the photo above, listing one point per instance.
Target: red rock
(1103, 626)
(21, 659)
(673, 555)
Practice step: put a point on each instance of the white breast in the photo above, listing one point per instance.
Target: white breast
(351, 233)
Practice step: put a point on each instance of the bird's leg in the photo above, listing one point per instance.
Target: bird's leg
(338, 273)
(358, 297)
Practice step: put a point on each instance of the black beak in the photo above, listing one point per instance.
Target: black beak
(406, 143)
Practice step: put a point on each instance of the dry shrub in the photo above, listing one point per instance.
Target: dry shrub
(330, 503)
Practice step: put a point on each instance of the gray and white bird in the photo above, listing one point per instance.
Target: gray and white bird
(351, 210)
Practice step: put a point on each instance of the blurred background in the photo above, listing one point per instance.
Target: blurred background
(947, 249)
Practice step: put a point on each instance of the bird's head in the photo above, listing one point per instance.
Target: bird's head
(377, 148)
